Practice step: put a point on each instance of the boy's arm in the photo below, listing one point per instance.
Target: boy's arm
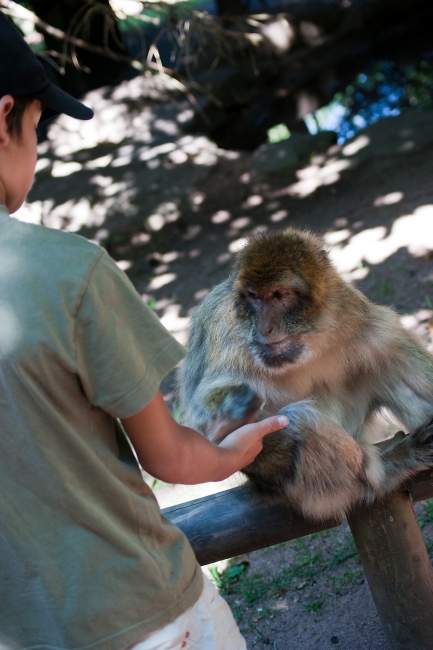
(177, 454)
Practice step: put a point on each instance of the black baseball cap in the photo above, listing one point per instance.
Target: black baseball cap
(22, 74)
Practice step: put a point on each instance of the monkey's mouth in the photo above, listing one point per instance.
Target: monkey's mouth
(275, 355)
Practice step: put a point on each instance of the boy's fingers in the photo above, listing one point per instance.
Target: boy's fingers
(274, 423)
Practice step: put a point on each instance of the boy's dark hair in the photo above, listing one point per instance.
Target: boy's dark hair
(14, 118)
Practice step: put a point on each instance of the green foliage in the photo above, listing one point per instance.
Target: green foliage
(427, 514)
(216, 576)
(342, 584)
(320, 533)
(224, 581)
(311, 562)
(384, 89)
(234, 579)
(428, 302)
(305, 566)
(388, 289)
(314, 606)
(151, 303)
(254, 587)
(278, 133)
(429, 545)
(343, 551)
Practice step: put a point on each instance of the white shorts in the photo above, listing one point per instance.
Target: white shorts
(207, 625)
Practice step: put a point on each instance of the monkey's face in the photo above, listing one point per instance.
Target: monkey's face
(277, 324)
(281, 288)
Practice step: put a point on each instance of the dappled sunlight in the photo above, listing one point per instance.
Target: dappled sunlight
(421, 324)
(237, 244)
(278, 216)
(166, 212)
(176, 324)
(313, 176)
(412, 321)
(221, 216)
(124, 265)
(238, 224)
(388, 199)
(356, 145)
(146, 165)
(399, 135)
(162, 280)
(252, 201)
(374, 246)
(61, 169)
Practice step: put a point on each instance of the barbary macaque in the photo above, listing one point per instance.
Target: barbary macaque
(285, 333)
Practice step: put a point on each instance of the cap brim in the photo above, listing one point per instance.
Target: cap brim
(56, 101)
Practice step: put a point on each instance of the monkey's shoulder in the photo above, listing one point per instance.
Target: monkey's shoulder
(219, 294)
(214, 306)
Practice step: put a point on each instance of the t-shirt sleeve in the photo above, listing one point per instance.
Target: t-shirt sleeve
(123, 351)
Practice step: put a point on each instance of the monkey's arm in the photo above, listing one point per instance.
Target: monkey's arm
(405, 384)
(214, 396)
(316, 465)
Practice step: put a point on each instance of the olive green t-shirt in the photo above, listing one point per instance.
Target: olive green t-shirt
(86, 558)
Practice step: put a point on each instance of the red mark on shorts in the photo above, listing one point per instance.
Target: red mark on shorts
(183, 644)
(186, 635)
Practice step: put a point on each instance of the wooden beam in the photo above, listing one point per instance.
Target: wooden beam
(421, 487)
(386, 533)
(238, 521)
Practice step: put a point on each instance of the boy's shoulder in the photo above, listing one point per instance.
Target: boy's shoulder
(43, 235)
(56, 250)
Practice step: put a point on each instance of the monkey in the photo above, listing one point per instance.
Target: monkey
(285, 333)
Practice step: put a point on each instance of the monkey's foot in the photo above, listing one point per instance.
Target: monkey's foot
(389, 443)
(421, 440)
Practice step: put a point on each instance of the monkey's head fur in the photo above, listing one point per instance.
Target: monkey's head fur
(283, 281)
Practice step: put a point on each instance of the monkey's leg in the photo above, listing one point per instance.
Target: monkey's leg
(227, 408)
(316, 465)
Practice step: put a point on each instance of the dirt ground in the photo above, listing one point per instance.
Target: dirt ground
(376, 215)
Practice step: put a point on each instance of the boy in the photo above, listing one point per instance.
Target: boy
(86, 560)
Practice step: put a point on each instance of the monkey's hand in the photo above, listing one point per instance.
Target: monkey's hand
(231, 407)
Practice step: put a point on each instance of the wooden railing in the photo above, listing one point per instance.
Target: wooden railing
(387, 536)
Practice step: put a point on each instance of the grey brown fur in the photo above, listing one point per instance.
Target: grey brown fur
(286, 333)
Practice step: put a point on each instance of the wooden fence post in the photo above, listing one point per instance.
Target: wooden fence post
(398, 570)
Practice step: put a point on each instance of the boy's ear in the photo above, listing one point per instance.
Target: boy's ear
(6, 105)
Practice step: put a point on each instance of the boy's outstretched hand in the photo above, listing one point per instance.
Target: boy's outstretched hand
(247, 441)
(177, 454)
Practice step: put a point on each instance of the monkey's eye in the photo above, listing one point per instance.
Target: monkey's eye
(280, 294)
(253, 295)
